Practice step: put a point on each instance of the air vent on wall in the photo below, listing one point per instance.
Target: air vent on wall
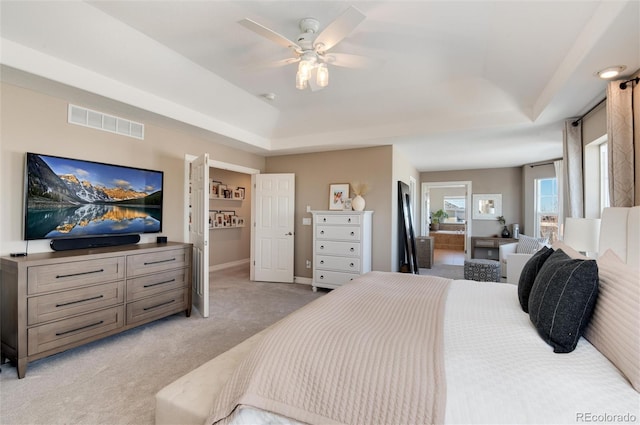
(100, 121)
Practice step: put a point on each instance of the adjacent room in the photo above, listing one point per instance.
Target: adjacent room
(316, 212)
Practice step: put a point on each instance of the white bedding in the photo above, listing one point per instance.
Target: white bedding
(499, 370)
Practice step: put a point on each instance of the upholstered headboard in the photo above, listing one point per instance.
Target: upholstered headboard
(620, 232)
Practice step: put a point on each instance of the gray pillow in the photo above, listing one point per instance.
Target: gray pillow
(528, 275)
(562, 299)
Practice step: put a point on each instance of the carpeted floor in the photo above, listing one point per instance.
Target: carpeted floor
(113, 381)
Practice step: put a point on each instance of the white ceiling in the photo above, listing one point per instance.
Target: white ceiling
(455, 85)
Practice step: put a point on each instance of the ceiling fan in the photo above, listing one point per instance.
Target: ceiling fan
(311, 49)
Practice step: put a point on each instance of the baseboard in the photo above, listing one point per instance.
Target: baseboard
(228, 265)
(302, 280)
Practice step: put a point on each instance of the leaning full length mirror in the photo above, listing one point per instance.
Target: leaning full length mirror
(487, 207)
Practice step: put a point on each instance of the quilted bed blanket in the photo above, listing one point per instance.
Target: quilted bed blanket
(368, 352)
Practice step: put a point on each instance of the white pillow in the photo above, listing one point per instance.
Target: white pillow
(529, 245)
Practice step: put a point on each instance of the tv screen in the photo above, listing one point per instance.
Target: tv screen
(67, 197)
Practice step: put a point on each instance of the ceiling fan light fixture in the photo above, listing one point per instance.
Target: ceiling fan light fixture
(611, 72)
(304, 68)
(322, 75)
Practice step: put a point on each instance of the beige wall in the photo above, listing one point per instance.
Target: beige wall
(229, 245)
(315, 172)
(507, 181)
(35, 122)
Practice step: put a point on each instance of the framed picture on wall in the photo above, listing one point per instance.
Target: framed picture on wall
(487, 207)
(338, 194)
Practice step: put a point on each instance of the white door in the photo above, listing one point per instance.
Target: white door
(199, 232)
(273, 224)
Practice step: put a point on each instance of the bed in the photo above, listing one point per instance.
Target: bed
(490, 366)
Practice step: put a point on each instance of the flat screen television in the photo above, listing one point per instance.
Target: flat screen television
(70, 198)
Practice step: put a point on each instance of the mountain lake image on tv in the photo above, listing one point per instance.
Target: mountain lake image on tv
(74, 198)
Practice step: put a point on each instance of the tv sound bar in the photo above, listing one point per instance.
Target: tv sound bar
(93, 242)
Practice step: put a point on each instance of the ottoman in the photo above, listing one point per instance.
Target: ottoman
(482, 270)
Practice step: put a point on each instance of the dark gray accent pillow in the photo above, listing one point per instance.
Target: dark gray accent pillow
(528, 275)
(562, 300)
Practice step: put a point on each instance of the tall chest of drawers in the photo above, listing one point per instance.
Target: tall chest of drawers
(341, 247)
(54, 301)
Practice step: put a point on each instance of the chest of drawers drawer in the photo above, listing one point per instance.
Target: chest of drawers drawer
(348, 233)
(58, 305)
(338, 219)
(157, 306)
(155, 262)
(338, 263)
(350, 249)
(326, 277)
(73, 274)
(145, 286)
(75, 329)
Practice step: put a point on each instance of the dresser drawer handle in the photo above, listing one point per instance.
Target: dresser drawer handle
(80, 301)
(79, 329)
(353, 233)
(321, 276)
(321, 261)
(159, 283)
(351, 265)
(321, 246)
(159, 261)
(322, 232)
(62, 276)
(159, 305)
(352, 249)
(324, 219)
(349, 220)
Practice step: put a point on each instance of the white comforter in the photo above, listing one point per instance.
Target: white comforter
(499, 370)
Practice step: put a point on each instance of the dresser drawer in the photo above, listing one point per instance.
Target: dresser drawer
(333, 278)
(145, 286)
(338, 232)
(338, 219)
(157, 306)
(338, 248)
(338, 263)
(56, 334)
(73, 274)
(154, 262)
(59, 305)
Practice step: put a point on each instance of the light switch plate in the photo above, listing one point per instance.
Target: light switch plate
(306, 221)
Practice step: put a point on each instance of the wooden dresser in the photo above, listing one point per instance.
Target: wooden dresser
(488, 248)
(54, 301)
(341, 247)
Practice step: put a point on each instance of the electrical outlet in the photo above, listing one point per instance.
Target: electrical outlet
(308, 264)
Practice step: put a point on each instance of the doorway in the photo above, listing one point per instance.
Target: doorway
(446, 217)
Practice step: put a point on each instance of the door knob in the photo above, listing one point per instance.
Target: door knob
(288, 234)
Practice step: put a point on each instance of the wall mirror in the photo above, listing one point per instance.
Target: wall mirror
(487, 207)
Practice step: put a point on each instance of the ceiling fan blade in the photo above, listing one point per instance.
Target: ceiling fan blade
(339, 29)
(350, 61)
(271, 35)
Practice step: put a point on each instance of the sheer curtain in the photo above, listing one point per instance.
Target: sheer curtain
(558, 166)
(623, 142)
(572, 175)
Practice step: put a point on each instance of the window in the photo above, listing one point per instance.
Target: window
(454, 206)
(596, 177)
(546, 204)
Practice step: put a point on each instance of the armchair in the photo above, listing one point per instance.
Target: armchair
(512, 261)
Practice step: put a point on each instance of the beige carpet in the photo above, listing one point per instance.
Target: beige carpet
(113, 381)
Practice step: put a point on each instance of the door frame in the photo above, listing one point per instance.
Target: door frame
(424, 229)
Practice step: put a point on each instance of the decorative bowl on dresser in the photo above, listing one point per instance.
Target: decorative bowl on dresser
(54, 301)
(341, 247)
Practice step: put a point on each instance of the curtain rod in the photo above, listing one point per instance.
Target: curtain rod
(538, 165)
(577, 120)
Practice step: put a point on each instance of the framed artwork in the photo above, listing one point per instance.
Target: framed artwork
(219, 220)
(214, 186)
(338, 194)
(487, 207)
(237, 194)
(347, 204)
(241, 190)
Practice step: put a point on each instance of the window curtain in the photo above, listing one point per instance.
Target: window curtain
(622, 143)
(572, 173)
(558, 166)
